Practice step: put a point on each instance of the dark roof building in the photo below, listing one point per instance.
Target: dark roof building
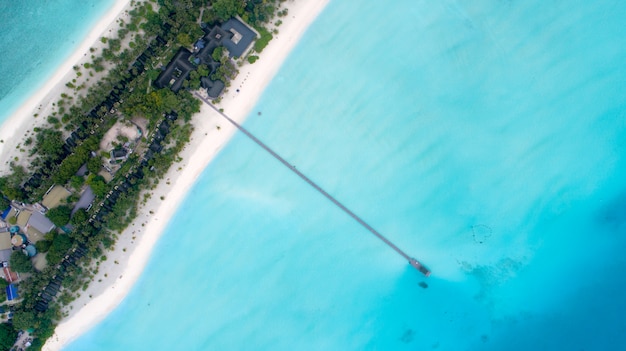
(85, 200)
(213, 87)
(82, 171)
(234, 35)
(176, 71)
(240, 38)
(119, 154)
(209, 43)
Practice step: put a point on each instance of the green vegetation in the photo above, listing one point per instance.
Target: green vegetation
(10, 185)
(8, 334)
(60, 244)
(226, 9)
(77, 182)
(184, 39)
(49, 143)
(24, 320)
(60, 215)
(80, 217)
(262, 42)
(252, 58)
(94, 164)
(20, 262)
(218, 53)
(4, 203)
(43, 246)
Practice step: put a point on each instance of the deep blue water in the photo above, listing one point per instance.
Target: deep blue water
(36, 36)
(485, 139)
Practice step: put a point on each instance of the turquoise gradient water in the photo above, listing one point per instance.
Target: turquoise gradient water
(485, 139)
(36, 37)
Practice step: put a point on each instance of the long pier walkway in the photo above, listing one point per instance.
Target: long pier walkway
(412, 261)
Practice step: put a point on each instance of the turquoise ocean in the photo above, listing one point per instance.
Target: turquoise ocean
(485, 138)
(36, 37)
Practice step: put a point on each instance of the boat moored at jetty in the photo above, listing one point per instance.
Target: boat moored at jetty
(420, 267)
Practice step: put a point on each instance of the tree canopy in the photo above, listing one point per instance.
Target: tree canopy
(184, 39)
(80, 217)
(60, 244)
(20, 262)
(4, 203)
(8, 335)
(43, 245)
(49, 142)
(60, 216)
(225, 9)
(97, 184)
(94, 164)
(10, 185)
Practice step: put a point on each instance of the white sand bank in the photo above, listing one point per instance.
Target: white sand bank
(124, 265)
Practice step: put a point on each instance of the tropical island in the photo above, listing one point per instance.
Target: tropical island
(96, 167)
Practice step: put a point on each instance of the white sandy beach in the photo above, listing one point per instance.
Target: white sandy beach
(124, 265)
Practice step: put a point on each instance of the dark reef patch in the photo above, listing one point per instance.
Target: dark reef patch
(408, 336)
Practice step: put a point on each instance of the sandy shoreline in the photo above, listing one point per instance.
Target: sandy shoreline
(133, 248)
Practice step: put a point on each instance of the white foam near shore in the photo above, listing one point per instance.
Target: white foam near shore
(125, 263)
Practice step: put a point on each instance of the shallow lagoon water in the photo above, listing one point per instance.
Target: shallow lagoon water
(486, 140)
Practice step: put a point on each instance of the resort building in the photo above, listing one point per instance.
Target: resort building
(239, 39)
(176, 72)
(234, 35)
(204, 47)
(118, 155)
(213, 87)
(119, 142)
(54, 196)
(85, 201)
(34, 224)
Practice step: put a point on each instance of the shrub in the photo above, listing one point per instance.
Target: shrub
(252, 58)
(262, 42)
